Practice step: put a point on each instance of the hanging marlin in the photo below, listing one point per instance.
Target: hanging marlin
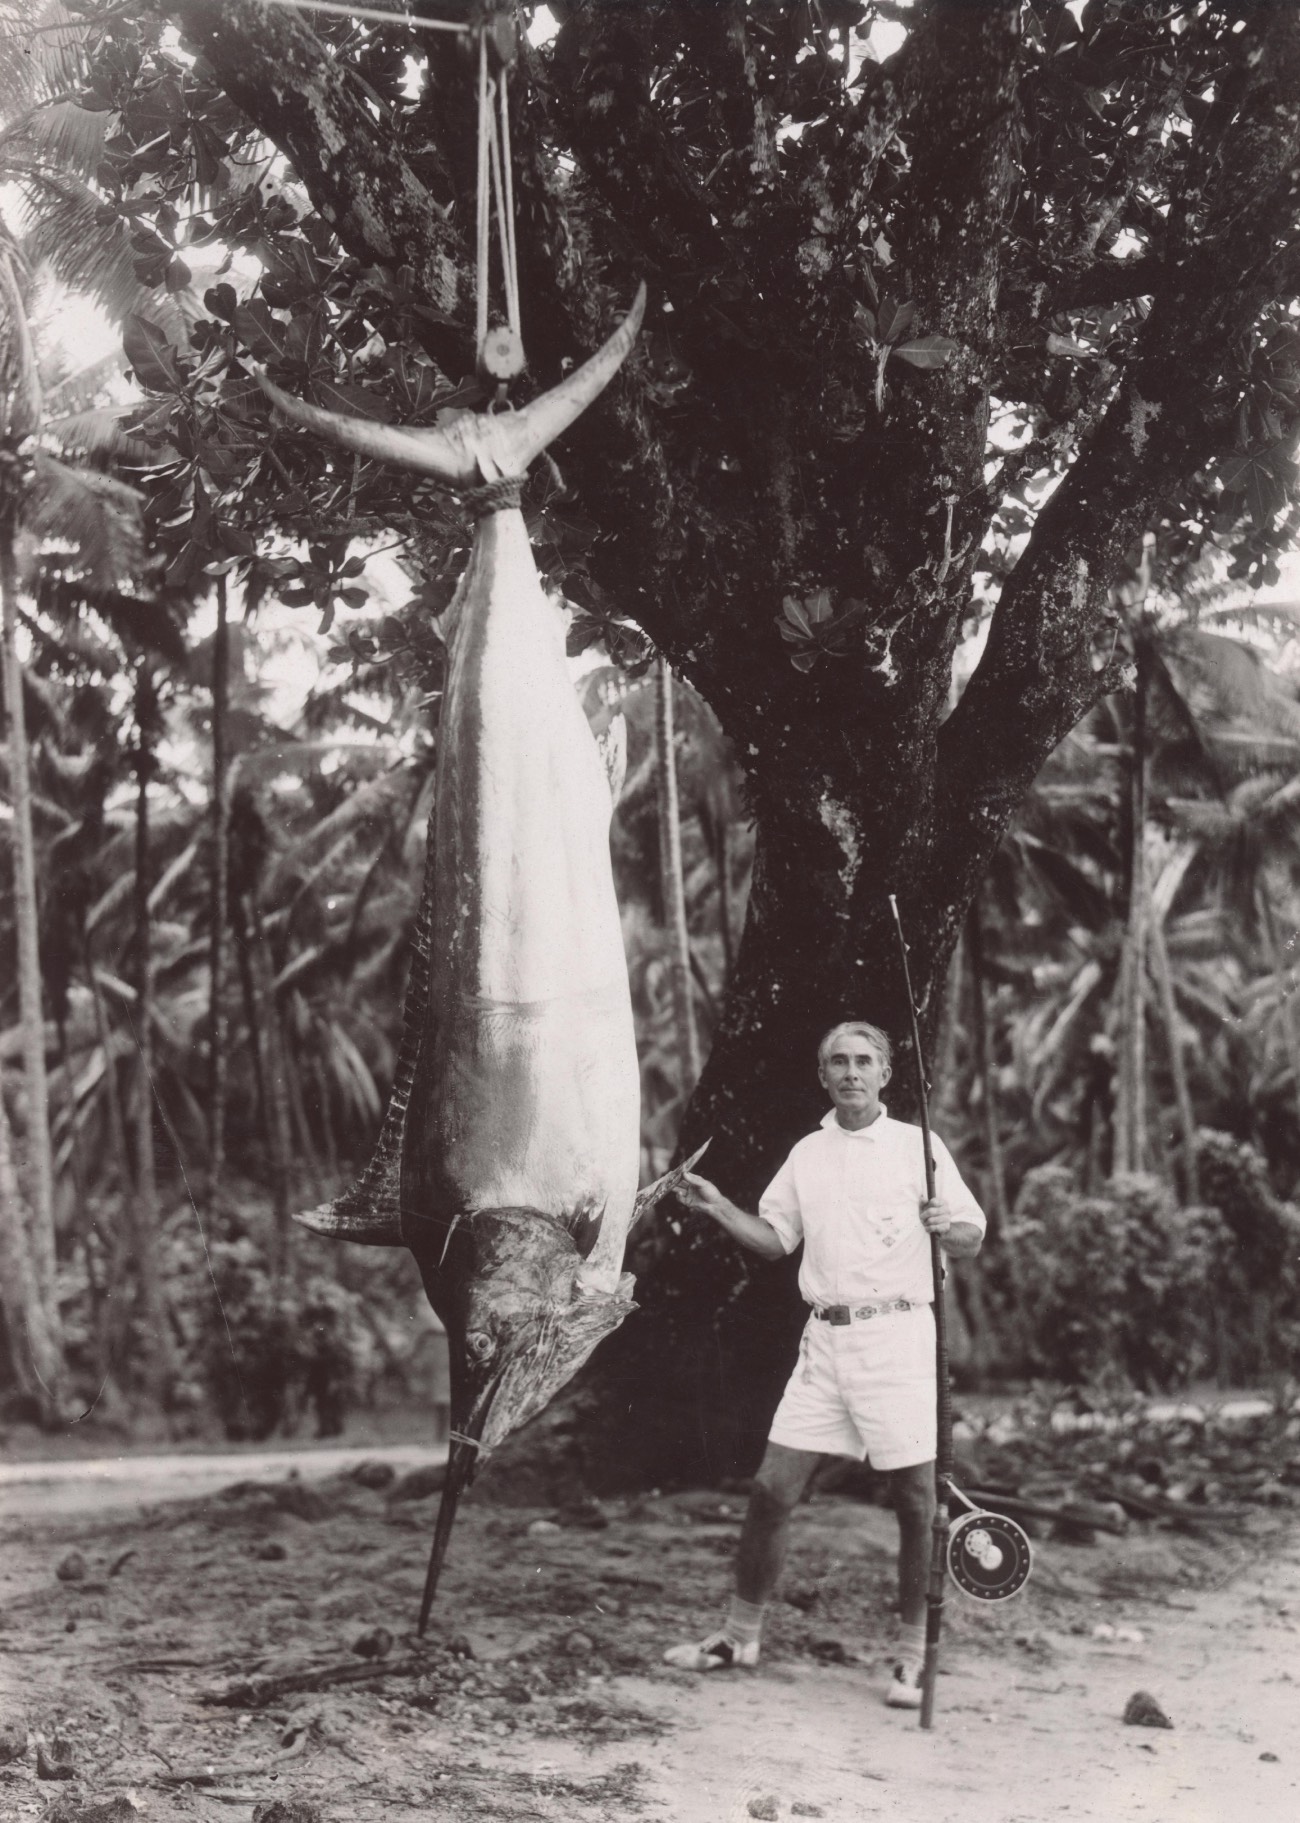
(508, 1157)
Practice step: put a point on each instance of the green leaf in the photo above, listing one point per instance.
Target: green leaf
(895, 319)
(866, 320)
(794, 613)
(927, 351)
(151, 355)
(1234, 471)
(1266, 495)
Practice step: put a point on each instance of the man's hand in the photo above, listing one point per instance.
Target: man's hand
(697, 1192)
(936, 1217)
(751, 1231)
(959, 1239)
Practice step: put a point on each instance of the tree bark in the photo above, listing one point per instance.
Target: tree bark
(219, 906)
(671, 885)
(1130, 1098)
(1164, 981)
(986, 1075)
(37, 1148)
(279, 1137)
(33, 1346)
(146, 1223)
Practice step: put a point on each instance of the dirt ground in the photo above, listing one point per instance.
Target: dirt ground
(172, 1677)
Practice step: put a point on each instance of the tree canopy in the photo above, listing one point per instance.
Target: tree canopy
(962, 316)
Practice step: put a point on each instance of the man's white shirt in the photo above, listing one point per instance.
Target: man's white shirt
(854, 1200)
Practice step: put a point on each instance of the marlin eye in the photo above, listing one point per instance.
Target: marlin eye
(480, 1344)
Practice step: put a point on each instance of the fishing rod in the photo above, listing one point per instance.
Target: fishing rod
(988, 1555)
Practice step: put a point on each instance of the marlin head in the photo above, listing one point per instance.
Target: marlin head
(507, 1287)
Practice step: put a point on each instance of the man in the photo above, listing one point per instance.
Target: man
(854, 1193)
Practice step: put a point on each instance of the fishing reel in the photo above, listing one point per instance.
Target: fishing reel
(989, 1555)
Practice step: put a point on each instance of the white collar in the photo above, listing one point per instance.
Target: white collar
(871, 1132)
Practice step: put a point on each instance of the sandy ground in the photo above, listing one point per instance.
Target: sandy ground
(539, 1694)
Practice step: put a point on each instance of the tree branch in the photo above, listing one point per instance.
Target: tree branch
(275, 68)
(1039, 672)
(960, 125)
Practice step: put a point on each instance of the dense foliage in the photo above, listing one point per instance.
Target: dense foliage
(964, 320)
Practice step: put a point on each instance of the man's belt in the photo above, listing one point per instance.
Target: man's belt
(840, 1314)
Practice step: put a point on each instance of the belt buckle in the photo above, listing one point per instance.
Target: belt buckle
(838, 1314)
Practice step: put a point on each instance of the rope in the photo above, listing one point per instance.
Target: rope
(381, 15)
(484, 200)
(494, 496)
(500, 354)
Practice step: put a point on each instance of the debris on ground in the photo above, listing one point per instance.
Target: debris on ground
(1076, 1466)
(71, 1810)
(54, 1760)
(374, 1475)
(1143, 1711)
(71, 1568)
(764, 1808)
(211, 1660)
(419, 1484)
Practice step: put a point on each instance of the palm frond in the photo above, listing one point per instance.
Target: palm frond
(59, 134)
(96, 515)
(20, 384)
(98, 432)
(40, 52)
(88, 251)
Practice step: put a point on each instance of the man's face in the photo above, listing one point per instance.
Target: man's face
(853, 1073)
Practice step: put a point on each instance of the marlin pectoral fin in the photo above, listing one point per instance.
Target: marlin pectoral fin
(584, 1225)
(665, 1185)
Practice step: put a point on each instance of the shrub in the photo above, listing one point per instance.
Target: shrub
(271, 1351)
(1258, 1286)
(1122, 1281)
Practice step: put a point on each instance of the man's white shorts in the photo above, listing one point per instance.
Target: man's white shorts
(863, 1389)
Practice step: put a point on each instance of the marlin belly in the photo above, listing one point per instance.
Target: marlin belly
(526, 1090)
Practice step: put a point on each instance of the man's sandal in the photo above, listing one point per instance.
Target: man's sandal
(716, 1653)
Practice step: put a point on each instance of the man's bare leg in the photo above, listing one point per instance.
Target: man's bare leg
(781, 1479)
(914, 1500)
(778, 1487)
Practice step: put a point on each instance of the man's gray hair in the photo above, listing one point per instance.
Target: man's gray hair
(872, 1033)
